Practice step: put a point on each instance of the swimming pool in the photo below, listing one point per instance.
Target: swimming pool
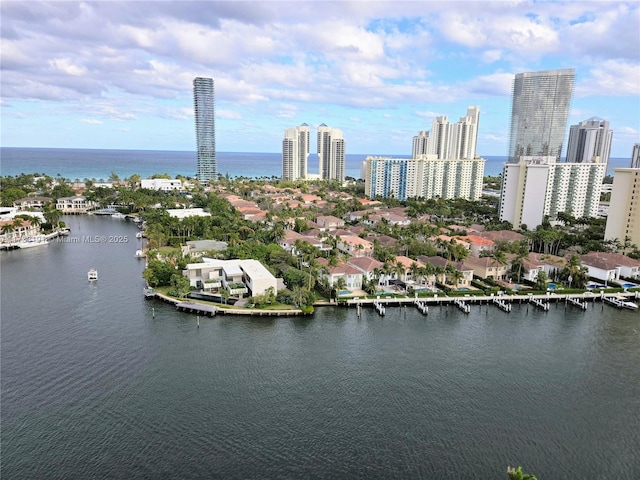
(628, 285)
(551, 286)
(464, 289)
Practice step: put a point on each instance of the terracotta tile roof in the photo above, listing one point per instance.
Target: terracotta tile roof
(367, 264)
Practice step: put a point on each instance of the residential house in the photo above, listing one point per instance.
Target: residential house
(478, 244)
(541, 262)
(355, 246)
(181, 213)
(75, 204)
(406, 275)
(329, 222)
(485, 267)
(351, 275)
(610, 266)
(445, 277)
(369, 266)
(240, 277)
(12, 231)
(32, 203)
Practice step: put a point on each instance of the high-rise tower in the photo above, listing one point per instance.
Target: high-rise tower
(539, 112)
(450, 141)
(588, 140)
(635, 156)
(295, 152)
(204, 109)
(331, 153)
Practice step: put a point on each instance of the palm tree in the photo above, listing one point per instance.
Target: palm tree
(414, 270)
(376, 274)
(339, 285)
(456, 276)
(521, 254)
(575, 273)
(52, 216)
(387, 269)
(499, 258)
(7, 229)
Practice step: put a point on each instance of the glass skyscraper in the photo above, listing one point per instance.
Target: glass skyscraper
(204, 109)
(539, 113)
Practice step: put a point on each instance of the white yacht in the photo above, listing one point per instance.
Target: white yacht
(32, 242)
(92, 275)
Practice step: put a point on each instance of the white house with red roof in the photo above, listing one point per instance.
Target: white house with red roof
(355, 246)
(478, 244)
(351, 275)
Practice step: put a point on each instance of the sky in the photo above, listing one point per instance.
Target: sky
(119, 75)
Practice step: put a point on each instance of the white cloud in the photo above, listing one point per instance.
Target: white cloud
(91, 121)
(228, 114)
(611, 76)
(427, 114)
(491, 56)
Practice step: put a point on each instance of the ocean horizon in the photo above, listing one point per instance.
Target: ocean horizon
(99, 164)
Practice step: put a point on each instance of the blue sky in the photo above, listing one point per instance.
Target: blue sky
(119, 74)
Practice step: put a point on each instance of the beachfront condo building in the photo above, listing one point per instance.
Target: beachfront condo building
(331, 153)
(635, 156)
(204, 110)
(539, 113)
(539, 186)
(295, 152)
(423, 177)
(588, 140)
(623, 221)
(449, 141)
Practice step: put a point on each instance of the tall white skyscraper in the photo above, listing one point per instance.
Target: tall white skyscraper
(465, 135)
(204, 110)
(635, 156)
(295, 152)
(449, 141)
(441, 133)
(623, 221)
(539, 186)
(588, 140)
(420, 144)
(539, 112)
(331, 153)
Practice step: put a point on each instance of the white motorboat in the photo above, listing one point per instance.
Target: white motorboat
(92, 275)
(32, 242)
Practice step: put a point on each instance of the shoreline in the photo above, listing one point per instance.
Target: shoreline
(504, 302)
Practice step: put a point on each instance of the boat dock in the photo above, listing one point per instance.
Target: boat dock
(504, 302)
(213, 310)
